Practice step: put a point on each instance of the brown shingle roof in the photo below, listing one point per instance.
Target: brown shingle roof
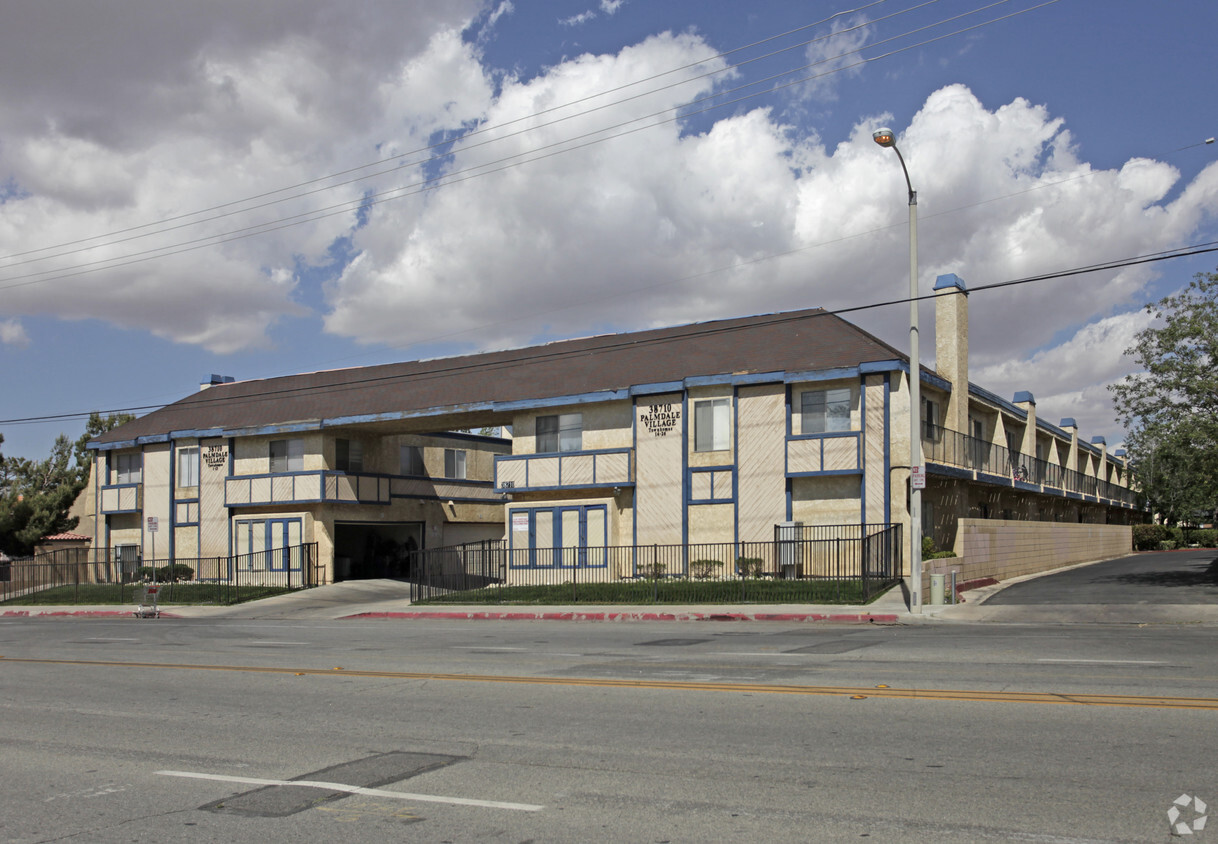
(797, 341)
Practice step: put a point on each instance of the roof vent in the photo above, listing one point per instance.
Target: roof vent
(216, 379)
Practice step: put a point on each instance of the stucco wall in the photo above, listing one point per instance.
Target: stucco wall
(999, 549)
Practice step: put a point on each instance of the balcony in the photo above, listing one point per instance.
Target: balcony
(824, 454)
(989, 463)
(573, 470)
(122, 498)
(332, 487)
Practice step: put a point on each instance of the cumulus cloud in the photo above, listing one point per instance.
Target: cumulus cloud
(530, 228)
(12, 333)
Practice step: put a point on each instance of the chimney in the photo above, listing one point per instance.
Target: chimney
(216, 379)
(951, 347)
(1027, 402)
(1071, 427)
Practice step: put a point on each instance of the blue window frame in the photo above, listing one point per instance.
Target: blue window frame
(559, 537)
(268, 544)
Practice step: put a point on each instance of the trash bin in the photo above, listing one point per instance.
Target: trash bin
(938, 583)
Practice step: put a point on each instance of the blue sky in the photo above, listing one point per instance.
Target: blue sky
(1040, 137)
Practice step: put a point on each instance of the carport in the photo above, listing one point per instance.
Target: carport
(366, 550)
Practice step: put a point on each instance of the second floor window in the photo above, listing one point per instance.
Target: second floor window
(563, 432)
(127, 468)
(454, 463)
(411, 460)
(188, 466)
(348, 455)
(287, 456)
(930, 420)
(712, 430)
(824, 411)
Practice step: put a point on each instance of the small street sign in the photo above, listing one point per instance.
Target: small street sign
(918, 477)
(153, 524)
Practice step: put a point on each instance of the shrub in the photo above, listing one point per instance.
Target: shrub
(1167, 545)
(652, 571)
(166, 574)
(748, 566)
(1150, 537)
(705, 569)
(1207, 538)
(929, 551)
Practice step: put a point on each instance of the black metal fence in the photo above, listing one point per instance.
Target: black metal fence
(81, 575)
(835, 563)
(952, 448)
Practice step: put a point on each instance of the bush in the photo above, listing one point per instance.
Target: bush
(1151, 537)
(748, 566)
(652, 571)
(929, 552)
(1207, 538)
(166, 574)
(705, 569)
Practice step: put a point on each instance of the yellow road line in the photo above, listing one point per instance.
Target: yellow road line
(856, 692)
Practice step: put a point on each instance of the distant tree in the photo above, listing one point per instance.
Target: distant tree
(35, 495)
(1170, 409)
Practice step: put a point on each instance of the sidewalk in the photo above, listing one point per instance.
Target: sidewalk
(388, 600)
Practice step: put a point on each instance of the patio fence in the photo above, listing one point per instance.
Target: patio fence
(802, 564)
(107, 577)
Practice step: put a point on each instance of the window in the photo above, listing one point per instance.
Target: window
(930, 420)
(127, 469)
(454, 463)
(711, 427)
(287, 456)
(823, 411)
(188, 466)
(348, 455)
(560, 433)
(410, 460)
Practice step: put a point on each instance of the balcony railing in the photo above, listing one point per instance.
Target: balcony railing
(952, 448)
(571, 470)
(122, 498)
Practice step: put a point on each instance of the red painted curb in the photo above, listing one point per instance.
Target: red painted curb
(515, 615)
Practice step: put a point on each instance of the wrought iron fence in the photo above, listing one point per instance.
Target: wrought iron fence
(842, 563)
(76, 575)
(952, 448)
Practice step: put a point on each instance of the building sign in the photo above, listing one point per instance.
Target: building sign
(520, 522)
(215, 457)
(660, 419)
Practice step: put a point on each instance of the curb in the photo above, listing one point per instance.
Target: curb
(516, 615)
(77, 614)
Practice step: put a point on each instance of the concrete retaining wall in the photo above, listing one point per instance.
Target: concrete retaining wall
(995, 549)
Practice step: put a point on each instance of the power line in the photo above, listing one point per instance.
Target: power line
(509, 162)
(696, 331)
(470, 134)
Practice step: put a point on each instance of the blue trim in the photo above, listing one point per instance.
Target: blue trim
(556, 511)
(1099, 441)
(1067, 422)
(861, 461)
(712, 471)
(657, 389)
(550, 455)
(1025, 486)
(825, 473)
(887, 449)
(685, 433)
(877, 366)
(750, 378)
(786, 455)
(827, 435)
(735, 466)
(841, 373)
(1024, 396)
(228, 511)
(948, 471)
(634, 445)
(999, 480)
(994, 398)
(559, 401)
(948, 281)
(1052, 429)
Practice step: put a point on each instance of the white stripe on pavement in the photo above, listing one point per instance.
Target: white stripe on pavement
(355, 789)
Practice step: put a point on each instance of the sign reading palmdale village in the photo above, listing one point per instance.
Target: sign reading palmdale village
(660, 419)
(215, 457)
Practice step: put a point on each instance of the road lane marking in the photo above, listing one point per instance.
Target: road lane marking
(1108, 661)
(959, 695)
(356, 789)
(485, 648)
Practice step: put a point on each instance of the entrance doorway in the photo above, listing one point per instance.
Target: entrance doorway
(368, 550)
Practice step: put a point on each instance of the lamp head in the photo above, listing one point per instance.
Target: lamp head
(884, 137)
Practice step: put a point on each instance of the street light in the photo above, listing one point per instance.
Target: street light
(886, 138)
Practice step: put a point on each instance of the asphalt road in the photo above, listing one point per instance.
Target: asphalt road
(171, 730)
(1173, 577)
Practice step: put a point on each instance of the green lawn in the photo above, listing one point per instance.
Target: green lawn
(669, 592)
(101, 594)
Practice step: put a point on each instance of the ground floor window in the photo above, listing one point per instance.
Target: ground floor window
(559, 537)
(268, 544)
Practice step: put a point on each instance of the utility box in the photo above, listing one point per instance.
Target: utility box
(938, 588)
(790, 548)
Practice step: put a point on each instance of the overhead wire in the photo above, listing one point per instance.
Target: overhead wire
(535, 353)
(591, 138)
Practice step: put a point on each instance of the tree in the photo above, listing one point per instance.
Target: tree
(1171, 408)
(35, 496)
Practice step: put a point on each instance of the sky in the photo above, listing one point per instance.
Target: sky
(262, 189)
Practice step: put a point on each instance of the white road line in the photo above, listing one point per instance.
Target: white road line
(484, 648)
(280, 643)
(1109, 661)
(355, 789)
(109, 639)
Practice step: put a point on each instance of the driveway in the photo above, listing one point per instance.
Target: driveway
(1170, 577)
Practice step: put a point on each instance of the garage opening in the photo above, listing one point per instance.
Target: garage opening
(364, 551)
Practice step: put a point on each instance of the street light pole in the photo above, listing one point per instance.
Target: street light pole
(886, 138)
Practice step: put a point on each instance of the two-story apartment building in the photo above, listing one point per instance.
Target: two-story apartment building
(707, 433)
